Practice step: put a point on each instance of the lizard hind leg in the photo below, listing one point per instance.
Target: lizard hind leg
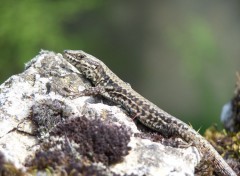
(91, 91)
(176, 142)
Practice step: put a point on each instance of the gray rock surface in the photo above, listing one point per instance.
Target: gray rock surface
(33, 102)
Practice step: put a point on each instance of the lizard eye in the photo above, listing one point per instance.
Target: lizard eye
(80, 56)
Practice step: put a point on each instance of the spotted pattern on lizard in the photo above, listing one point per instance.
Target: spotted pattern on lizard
(110, 86)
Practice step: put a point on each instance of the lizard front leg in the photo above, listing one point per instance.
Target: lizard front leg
(91, 91)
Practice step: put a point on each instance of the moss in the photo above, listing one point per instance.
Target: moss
(8, 169)
(51, 163)
(60, 163)
(77, 143)
(227, 144)
(46, 114)
(98, 141)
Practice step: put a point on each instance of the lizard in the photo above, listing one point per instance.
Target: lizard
(110, 86)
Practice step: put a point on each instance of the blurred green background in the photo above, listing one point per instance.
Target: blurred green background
(182, 55)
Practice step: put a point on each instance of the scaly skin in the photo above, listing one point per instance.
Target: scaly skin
(113, 88)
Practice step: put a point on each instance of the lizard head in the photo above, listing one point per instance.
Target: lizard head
(87, 64)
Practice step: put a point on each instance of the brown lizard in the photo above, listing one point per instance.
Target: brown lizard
(110, 86)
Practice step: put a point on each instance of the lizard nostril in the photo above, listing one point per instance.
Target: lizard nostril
(82, 56)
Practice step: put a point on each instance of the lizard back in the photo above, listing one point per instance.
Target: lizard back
(116, 90)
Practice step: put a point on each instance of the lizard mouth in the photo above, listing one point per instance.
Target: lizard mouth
(71, 55)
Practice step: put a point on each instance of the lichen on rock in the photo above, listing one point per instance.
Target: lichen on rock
(44, 130)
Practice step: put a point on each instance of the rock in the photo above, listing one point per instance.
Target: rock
(44, 125)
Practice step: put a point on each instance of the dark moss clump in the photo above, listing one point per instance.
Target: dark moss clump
(74, 145)
(98, 141)
(46, 114)
(59, 163)
(51, 163)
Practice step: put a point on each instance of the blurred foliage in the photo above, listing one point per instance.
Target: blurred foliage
(199, 51)
(182, 55)
(28, 26)
(195, 45)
